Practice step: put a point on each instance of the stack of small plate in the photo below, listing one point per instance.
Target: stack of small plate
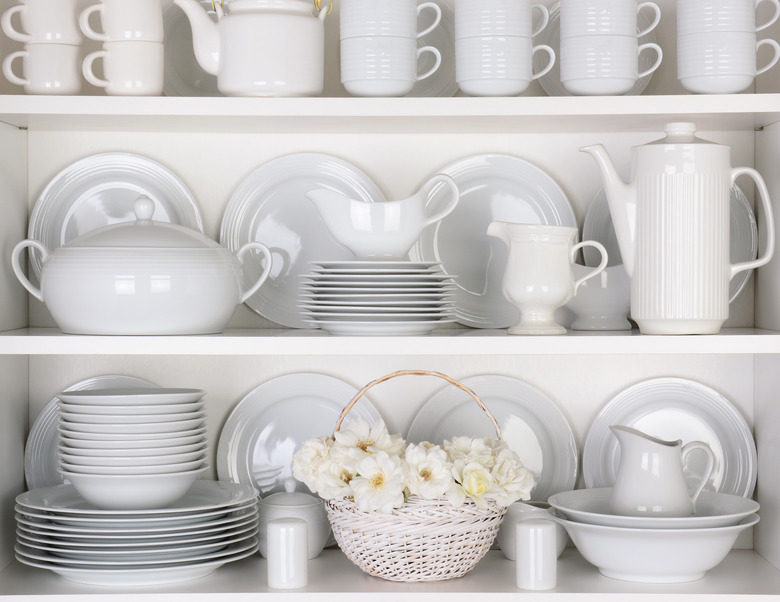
(132, 449)
(214, 523)
(377, 297)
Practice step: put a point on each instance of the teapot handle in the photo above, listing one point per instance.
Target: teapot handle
(266, 271)
(455, 197)
(601, 267)
(688, 448)
(17, 265)
(736, 268)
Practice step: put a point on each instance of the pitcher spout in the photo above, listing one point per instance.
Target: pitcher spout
(205, 34)
(498, 230)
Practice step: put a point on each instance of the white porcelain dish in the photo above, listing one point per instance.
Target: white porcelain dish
(531, 424)
(130, 441)
(130, 396)
(270, 206)
(131, 410)
(676, 408)
(130, 419)
(172, 428)
(133, 460)
(133, 470)
(265, 428)
(442, 82)
(398, 327)
(492, 188)
(712, 510)
(654, 555)
(197, 447)
(172, 554)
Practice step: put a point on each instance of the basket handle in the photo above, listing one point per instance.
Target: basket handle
(450, 380)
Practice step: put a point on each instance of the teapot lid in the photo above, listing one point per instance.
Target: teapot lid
(290, 497)
(144, 232)
(680, 132)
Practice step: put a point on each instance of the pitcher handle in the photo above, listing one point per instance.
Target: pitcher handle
(597, 270)
(736, 268)
(688, 448)
(454, 198)
(16, 264)
(266, 271)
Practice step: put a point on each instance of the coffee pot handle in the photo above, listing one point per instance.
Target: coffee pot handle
(596, 271)
(736, 268)
(687, 449)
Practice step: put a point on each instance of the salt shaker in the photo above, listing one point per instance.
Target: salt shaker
(287, 553)
(536, 555)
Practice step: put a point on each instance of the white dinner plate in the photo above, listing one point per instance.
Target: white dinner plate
(531, 423)
(376, 279)
(270, 206)
(267, 426)
(83, 430)
(676, 408)
(492, 188)
(442, 82)
(104, 396)
(135, 419)
(139, 410)
(375, 266)
(405, 328)
(172, 554)
(322, 316)
(100, 190)
(40, 451)
(378, 305)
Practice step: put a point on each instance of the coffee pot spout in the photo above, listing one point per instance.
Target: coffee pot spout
(205, 34)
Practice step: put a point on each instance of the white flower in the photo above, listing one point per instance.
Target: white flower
(512, 480)
(428, 471)
(308, 459)
(333, 480)
(360, 440)
(473, 480)
(380, 483)
(470, 449)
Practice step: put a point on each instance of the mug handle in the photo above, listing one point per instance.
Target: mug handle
(8, 28)
(736, 268)
(86, 28)
(601, 267)
(688, 448)
(454, 197)
(659, 58)
(654, 7)
(8, 69)
(436, 20)
(550, 52)
(435, 52)
(545, 18)
(86, 68)
(776, 4)
(266, 271)
(773, 62)
(16, 264)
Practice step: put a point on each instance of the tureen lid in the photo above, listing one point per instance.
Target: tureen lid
(144, 232)
(290, 497)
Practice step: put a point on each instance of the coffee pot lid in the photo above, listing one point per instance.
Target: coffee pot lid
(680, 132)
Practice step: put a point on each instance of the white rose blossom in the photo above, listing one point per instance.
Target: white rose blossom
(512, 480)
(314, 465)
(379, 485)
(470, 449)
(359, 440)
(472, 479)
(428, 470)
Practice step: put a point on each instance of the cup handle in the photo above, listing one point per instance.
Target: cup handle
(659, 58)
(657, 11)
(16, 264)
(551, 53)
(8, 70)
(436, 20)
(775, 15)
(86, 28)
(266, 271)
(736, 268)
(596, 271)
(544, 20)
(773, 62)
(687, 449)
(8, 28)
(454, 197)
(86, 68)
(433, 50)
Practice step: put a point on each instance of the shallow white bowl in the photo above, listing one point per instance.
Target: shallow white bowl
(138, 470)
(149, 430)
(119, 452)
(93, 441)
(130, 461)
(142, 420)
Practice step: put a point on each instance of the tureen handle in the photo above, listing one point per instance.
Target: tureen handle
(266, 272)
(17, 266)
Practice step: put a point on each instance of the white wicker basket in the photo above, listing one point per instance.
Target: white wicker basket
(424, 540)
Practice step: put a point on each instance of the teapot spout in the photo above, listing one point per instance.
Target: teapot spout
(205, 34)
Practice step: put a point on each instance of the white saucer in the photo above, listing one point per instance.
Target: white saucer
(398, 327)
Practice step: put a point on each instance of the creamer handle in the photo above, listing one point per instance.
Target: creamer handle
(596, 271)
(688, 448)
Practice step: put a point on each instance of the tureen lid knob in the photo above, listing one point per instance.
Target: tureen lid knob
(289, 484)
(143, 208)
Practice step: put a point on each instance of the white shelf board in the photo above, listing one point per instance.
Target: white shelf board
(341, 115)
(743, 575)
(453, 341)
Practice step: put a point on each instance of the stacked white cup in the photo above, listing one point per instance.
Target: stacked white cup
(717, 46)
(132, 53)
(52, 46)
(493, 46)
(379, 49)
(600, 45)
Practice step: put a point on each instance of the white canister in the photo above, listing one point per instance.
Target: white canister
(287, 562)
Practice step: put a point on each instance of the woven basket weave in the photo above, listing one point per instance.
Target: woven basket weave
(424, 540)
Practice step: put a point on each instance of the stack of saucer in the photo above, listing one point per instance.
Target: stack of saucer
(377, 297)
(132, 448)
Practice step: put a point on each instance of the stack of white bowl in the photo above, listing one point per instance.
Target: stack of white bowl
(132, 448)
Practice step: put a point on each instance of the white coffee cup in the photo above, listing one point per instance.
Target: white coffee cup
(706, 16)
(124, 20)
(603, 65)
(46, 68)
(604, 17)
(130, 68)
(477, 18)
(50, 21)
(722, 62)
(497, 65)
(383, 65)
(398, 18)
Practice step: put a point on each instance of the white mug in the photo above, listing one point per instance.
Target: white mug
(476, 18)
(47, 68)
(130, 68)
(50, 21)
(138, 20)
(360, 18)
(497, 65)
(604, 17)
(383, 65)
(721, 62)
(702, 16)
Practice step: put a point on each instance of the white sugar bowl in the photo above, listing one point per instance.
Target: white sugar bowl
(295, 504)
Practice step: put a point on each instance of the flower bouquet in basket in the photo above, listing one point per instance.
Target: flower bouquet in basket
(412, 511)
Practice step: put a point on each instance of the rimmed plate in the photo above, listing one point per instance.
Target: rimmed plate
(531, 424)
(105, 396)
(676, 408)
(442, 82)
(382, 328)
(374, 266)
(100, 190)
(265, 428)
(270, 206)
(139, 410)
(492, 187)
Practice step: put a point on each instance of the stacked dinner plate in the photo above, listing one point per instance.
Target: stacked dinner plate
(377, 297)
(212, 524)
(132, 449)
